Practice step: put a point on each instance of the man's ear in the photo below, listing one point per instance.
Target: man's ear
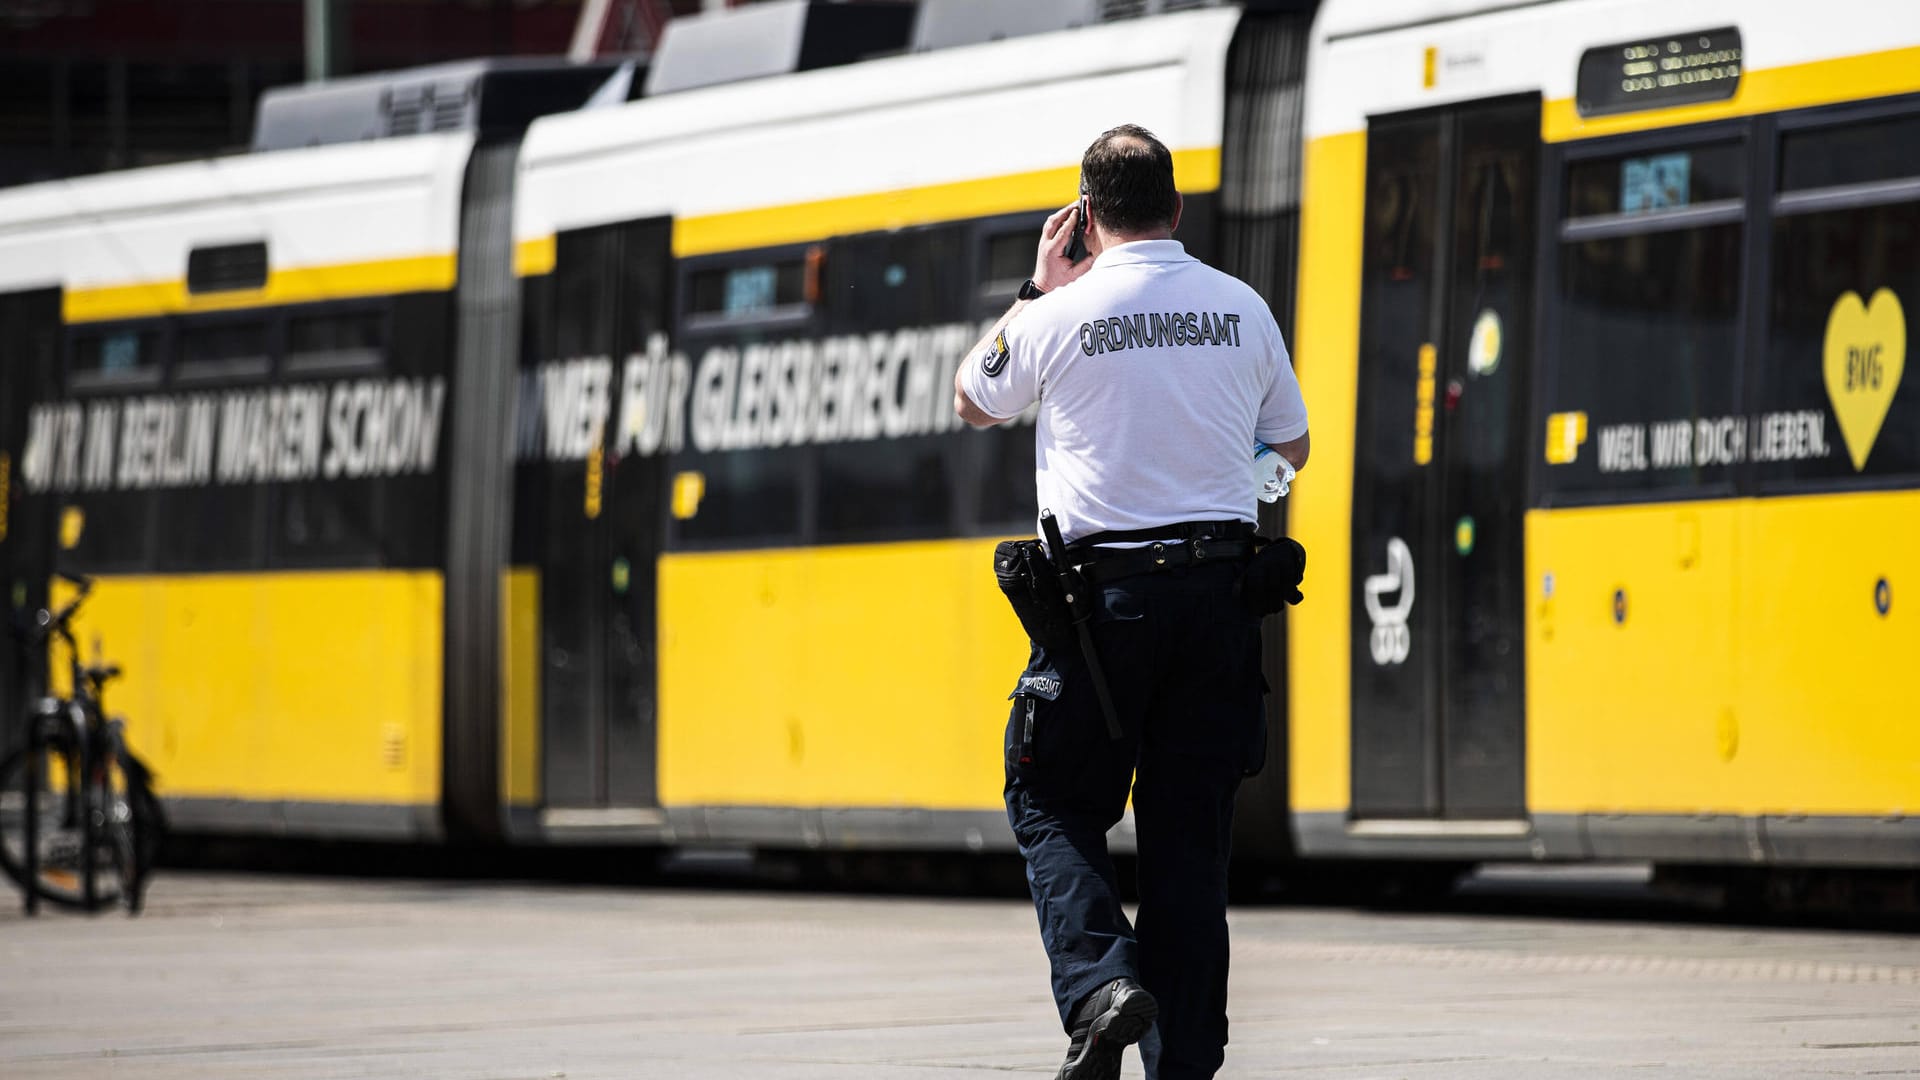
(1177, 205)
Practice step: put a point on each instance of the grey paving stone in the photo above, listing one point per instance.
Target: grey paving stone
(241, 977)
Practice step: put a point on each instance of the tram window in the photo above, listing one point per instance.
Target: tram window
(408, 528)
(330, 522)
(1009, 261)
(758, 290)
(1646, 360)
(891, 281)
(106, 531)
(349, 342)
(1667, 179)
(214, 527)
(223, 351)
(1832, 402)
(115, 358)
(748, 496)
(892, 302)
(1006, 478)
(1887, 149)
(889, 488)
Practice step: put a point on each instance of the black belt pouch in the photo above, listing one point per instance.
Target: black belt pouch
(1032, 586)
(1272, 578)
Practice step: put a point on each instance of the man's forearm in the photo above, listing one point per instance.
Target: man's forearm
(963, 406)
(1295, 451)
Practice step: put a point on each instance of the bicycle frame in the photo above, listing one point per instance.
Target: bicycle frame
(79, 722)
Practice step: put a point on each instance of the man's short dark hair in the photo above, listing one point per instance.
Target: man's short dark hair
(1127, 176)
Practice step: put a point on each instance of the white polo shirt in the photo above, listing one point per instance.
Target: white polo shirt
(1155, 373)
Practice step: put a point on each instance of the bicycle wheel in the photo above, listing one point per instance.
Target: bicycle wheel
(136, 826)
(60, 809)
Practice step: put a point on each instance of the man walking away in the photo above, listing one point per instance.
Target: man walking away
(1155, 376)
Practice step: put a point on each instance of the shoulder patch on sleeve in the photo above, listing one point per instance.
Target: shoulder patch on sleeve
(994, 360)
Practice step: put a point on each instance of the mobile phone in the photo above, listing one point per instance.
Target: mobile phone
(1077, 243)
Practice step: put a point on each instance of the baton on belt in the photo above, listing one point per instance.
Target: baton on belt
(1080, 606)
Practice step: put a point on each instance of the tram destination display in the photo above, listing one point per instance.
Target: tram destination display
(1655, 72)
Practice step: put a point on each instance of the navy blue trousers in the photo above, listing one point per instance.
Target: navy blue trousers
(1183, 665)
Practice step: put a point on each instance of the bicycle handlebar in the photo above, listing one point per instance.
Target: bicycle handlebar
(51, 623)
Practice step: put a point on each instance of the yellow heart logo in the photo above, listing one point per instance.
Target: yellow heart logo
(1866, 352)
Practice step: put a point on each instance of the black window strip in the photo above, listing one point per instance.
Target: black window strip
(227, 268)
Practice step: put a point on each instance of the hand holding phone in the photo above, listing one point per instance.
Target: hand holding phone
(1077, 244)
(1062, 255)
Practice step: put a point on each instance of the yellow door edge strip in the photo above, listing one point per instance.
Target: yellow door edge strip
(1196, 170)
(531, 258)
(296, 285)
(1794, 86)
(520, 721)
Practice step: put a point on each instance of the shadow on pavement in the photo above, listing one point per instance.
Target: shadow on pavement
(1855, 900)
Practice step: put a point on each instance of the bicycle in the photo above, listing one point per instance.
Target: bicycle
(79, 823)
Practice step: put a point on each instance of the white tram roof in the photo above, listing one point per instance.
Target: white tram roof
(972, 112)
(904, 122)
(1342, 18)
(315, 207)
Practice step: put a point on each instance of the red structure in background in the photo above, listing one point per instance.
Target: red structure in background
(90, 85)
(627, 26)
(381, 33)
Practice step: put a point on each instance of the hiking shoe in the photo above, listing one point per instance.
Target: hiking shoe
(1113, 1018)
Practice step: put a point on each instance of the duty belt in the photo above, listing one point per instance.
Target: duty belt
(1205, 542)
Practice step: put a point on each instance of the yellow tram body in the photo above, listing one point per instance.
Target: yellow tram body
(1715, 677)
(268, 699)
(465, 486)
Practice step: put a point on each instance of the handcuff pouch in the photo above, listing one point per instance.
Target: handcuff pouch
(1272, 577)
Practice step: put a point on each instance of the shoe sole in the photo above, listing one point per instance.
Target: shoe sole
(1124, 1023)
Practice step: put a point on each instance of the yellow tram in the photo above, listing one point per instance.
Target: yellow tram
(540, 473)
(1602, 326)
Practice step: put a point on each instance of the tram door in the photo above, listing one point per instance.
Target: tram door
(1439, 481)
(604, 511)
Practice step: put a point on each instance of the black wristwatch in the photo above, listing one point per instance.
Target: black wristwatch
(1030, 291)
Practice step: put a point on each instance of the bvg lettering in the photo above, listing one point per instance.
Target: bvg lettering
(1864, 369)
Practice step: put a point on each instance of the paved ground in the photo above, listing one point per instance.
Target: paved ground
(237, 976)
